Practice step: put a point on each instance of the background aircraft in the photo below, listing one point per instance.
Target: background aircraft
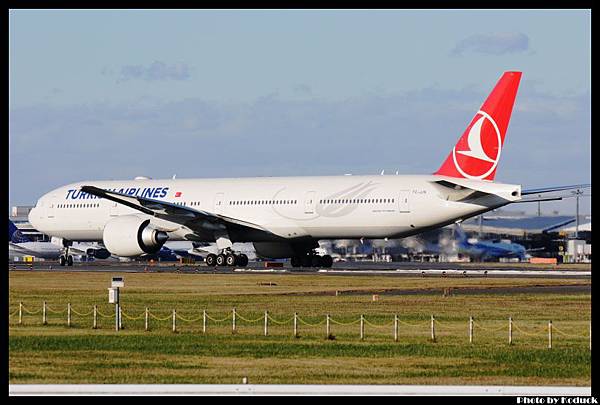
(20, 245)
(487, 249)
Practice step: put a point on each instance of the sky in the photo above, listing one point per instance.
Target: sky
(115, 94)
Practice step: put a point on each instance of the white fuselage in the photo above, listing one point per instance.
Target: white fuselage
(327, 207)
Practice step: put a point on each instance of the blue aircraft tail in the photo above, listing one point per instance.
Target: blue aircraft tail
(14, 235)
(460, 235)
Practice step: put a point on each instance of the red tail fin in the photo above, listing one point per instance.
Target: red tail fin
(477, 152)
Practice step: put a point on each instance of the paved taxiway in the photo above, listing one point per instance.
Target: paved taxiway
(396, 269)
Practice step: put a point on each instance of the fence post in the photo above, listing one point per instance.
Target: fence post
(146, 320)
(174, 322)
(432, 328)
(296, 326)
(95, 317)
(69, 314)
(117, 312)
(470, 329)
(20, 313)
(550, 335)
(204, 321)
(233, 323)
(266, 323)
(44, 320)
(396, 328)
(362, 327)
(328, 327)
(510, 330)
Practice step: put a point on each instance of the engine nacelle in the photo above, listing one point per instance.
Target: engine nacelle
(131, 236)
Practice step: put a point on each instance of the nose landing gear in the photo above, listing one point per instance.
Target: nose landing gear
(65, 260)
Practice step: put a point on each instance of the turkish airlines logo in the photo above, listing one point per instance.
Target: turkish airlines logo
(479, 157)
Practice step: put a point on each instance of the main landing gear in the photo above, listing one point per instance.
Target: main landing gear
(226, 259)
(312, 260)
(65, 259)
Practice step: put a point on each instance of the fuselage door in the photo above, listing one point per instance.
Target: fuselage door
(403, 201)
(310, 202)
(50, 209)
(113, 208)
(219, 198)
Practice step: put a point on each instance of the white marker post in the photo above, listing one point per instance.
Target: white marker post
(95, 317)
(174, 321)
(470, 329)
(296, 326)
(396, 328)
(204, 321)
(44, 320)
(266, 323)
(510, 330)
(549, 334)
(432, 328)
(233, 322)
(20, 313)
(328, 328)
(146, 320)
(69, 314)
(362, 327)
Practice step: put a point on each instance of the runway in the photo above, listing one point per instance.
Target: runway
(394, 269)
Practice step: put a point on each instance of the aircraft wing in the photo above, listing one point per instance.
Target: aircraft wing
(20, 249)
(553, 189)
(203, 223)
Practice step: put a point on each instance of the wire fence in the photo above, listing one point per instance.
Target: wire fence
(378, 325)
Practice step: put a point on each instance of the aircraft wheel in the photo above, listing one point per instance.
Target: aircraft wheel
(326, 261)
(306, 261)
(62, 260)
(211, 259)
(242, 260)
(296, 261)
(316, 261)
(231, 260)
(220, 259)
(69, 260)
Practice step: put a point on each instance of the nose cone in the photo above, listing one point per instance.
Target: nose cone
(161, 237)
(33, 217)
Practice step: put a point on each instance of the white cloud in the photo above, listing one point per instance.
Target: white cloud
(492, 44)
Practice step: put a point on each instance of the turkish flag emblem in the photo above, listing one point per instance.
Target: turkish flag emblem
(178, 194)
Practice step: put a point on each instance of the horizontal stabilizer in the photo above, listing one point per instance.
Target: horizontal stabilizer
(553, 189)
(526, 200)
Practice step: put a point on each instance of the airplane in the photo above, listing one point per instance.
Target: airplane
(285, 217)
(21, 245)
(488, 249)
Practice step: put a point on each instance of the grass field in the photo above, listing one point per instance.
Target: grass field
(55, 353)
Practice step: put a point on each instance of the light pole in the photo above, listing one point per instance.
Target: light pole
(577, 193)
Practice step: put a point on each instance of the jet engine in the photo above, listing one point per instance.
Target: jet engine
(130, 236)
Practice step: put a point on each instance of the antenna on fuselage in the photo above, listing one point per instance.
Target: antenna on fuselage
(382, 172)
